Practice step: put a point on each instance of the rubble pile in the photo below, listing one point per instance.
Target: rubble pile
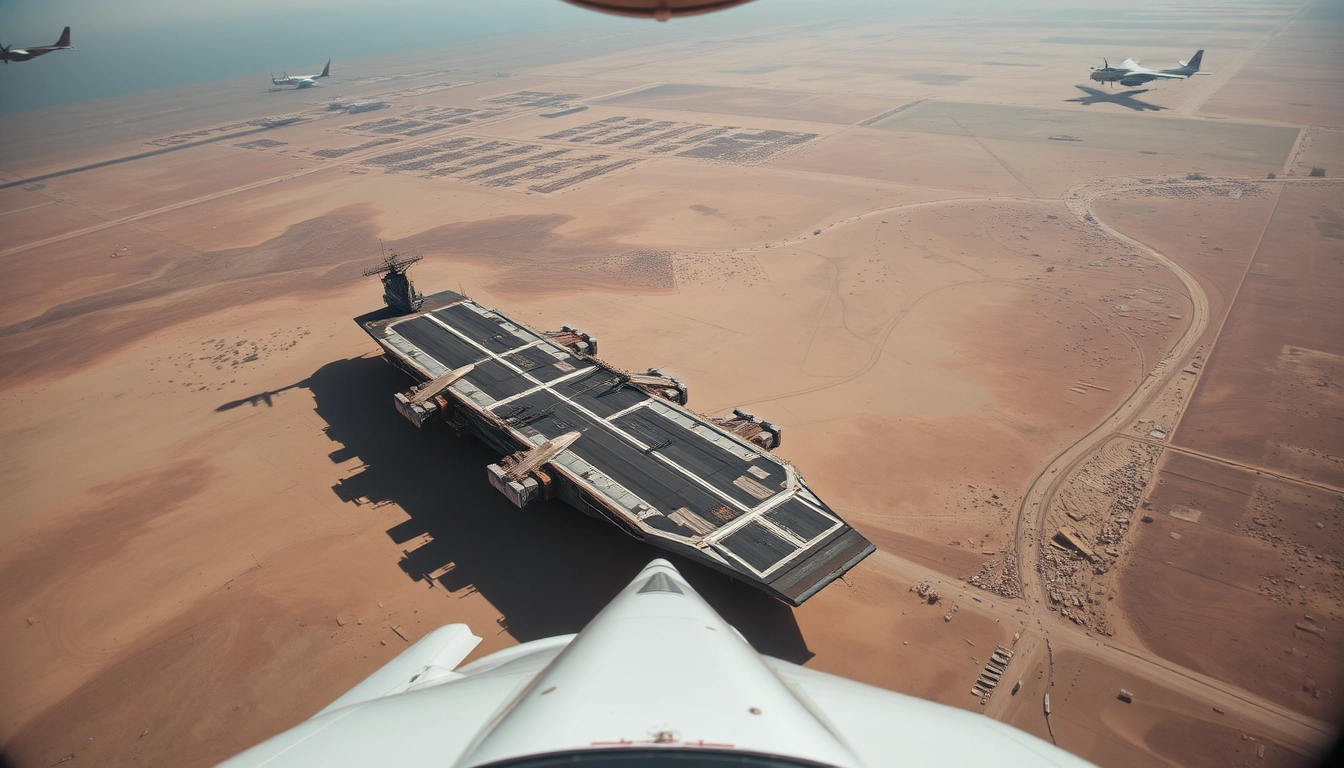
(1192, 188)
(999, 576)
(1068, 582)
(1308, 573)
(926, 592)
(1086, 526)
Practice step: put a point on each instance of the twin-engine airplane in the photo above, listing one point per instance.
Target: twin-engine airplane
(1129, 73)
(656, 680)
(8, 53)
(302, 81)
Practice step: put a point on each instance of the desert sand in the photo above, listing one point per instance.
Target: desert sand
(984, 302)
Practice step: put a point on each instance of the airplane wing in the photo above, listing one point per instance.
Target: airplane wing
(1156, 74)
(657, 677)
(1136, 72)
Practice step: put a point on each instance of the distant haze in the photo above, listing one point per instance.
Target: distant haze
(132, 46)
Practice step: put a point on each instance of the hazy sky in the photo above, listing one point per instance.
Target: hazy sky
(128, 46)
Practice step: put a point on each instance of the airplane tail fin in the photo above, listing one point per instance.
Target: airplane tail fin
(1193, 63)
(326, 71)
(64, 42)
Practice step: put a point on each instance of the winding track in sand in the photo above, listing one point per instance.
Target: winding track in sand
(1031, 513)
(1292, 728)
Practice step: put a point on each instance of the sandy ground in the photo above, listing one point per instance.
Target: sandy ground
(1156, 727)
(1232, 551)
(216, 522)
(1251, 521)
(1287, 398)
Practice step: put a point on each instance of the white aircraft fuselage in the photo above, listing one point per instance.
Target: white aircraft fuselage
(1129, 73)
(656, 676)
(302, 81)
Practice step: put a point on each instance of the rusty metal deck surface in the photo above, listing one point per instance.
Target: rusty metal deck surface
(671, 474)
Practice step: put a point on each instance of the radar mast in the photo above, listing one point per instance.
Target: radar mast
(398, 291)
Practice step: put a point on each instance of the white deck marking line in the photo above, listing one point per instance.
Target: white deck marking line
(570, 401)
(757, 513)
(777, 501)
(544, 387)
(617, 430)
(748, 514)
(483, 348)
(720, 534)
(799, 549)
(620, 413)
(655, 454)
(728, 529)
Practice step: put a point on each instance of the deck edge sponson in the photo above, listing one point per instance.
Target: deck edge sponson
(831, 562)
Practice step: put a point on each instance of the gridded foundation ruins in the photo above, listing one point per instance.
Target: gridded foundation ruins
(618, 446)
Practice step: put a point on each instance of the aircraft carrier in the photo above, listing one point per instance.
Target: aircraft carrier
(616, 445)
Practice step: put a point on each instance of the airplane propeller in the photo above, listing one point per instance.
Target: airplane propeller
(5, 48)
(1105, 67)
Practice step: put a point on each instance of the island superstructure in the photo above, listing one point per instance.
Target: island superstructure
(618, 446)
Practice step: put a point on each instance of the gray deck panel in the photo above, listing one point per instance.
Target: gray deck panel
(546, 365)
(607, 402)
(799, 519)
(498, 380)
(519, 413)
(555, 371)
(698, 455)
(646, 477)
(601, 392)
(439, 344)
(480, 329)
(757, 546)
(657, 484)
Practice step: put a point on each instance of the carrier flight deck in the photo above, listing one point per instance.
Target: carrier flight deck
(618, 446)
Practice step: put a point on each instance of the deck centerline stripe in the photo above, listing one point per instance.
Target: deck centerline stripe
(748, 514)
